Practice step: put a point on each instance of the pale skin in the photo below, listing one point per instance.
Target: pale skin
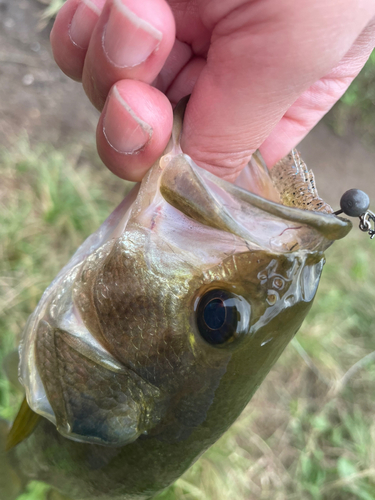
(261, 73)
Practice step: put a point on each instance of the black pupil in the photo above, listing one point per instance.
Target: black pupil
(214, 314)
(218, 316)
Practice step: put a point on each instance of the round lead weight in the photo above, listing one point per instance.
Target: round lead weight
(354, 202)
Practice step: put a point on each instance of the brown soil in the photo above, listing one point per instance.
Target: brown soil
(36, 97)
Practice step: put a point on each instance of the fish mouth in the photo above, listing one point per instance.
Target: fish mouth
(259, 221)
(261, 207)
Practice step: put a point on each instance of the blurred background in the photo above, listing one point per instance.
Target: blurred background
(309, 432)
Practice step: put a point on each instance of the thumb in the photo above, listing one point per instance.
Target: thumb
(262, 57)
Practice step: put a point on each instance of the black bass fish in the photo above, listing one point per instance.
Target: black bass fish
(154, 337)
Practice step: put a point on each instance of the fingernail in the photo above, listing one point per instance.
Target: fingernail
(125, 132)
(127, 39)
(83, 22)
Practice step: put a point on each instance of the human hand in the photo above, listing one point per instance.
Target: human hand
(261, 73)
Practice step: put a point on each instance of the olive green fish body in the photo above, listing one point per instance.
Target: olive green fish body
(152, 340)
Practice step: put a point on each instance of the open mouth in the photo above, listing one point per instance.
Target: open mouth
(280, 209)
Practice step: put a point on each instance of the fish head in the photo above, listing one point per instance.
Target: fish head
(168, 318)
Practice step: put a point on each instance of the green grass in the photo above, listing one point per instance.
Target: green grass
(308, 433)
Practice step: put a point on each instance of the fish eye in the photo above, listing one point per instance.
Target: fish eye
(222, 316)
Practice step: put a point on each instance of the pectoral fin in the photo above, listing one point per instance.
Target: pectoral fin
(92, 401)
(23, 425)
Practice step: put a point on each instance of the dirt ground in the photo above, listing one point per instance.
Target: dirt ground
(34, 94)
(36, 97)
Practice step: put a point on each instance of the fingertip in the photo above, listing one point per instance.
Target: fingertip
(71, 33)
(131, 40)
(134, 128)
